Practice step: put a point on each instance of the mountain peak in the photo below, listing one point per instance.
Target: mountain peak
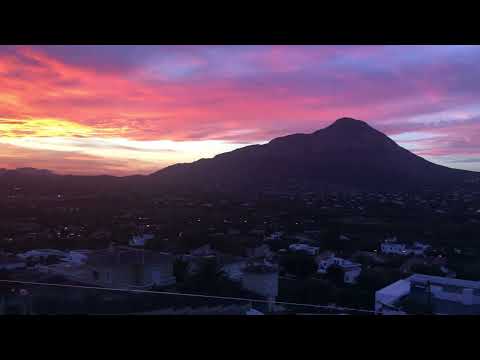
(349, 122)
(347, 125)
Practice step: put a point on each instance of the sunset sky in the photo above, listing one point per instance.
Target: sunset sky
(135, 109)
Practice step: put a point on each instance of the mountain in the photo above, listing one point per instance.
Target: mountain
(25, 171)
(43, 182)
(348, 154)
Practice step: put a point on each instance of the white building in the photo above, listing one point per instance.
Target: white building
(387, 298)
(443, 295)
(277, 235)
(140, 240)
(310, 250)
(419, 249)
(392, 247)
(351, 270)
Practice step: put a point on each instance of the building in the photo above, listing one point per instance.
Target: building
(310, 250)
(419, 249)
(123, 267)
(277, 235)
(392, 247)
(387, 299)
(435, 294)
(351, 270)
(140, 240)
(324, 261)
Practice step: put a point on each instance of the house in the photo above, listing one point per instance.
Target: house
(391, 247)
(310, 250)
(123, 267)
(277, 235)
(351, 270)
(140, 240)
(440, 295)
(387, 299)
(324, 261)
(419, 249)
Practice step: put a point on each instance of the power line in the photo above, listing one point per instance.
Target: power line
(327, 307)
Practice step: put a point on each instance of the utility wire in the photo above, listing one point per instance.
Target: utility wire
(328, 307)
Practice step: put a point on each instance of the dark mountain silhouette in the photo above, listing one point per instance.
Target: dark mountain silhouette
(348, 154)
(25, 171)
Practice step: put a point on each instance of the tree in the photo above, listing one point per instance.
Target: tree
(180, 270)
(335, 274)
(300, 265)
(427, 270)
(376, 279)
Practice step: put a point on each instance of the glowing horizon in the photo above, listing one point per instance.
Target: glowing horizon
(125, 110)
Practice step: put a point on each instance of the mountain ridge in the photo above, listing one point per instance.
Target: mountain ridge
(348, 153)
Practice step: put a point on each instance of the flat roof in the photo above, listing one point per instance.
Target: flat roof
(398, 288)
(445, 281)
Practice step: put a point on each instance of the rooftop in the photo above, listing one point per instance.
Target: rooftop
(398, 288)
(444, 281)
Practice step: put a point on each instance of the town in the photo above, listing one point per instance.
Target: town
(272, 253)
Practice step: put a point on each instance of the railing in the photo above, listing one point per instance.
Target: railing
(54, 298)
